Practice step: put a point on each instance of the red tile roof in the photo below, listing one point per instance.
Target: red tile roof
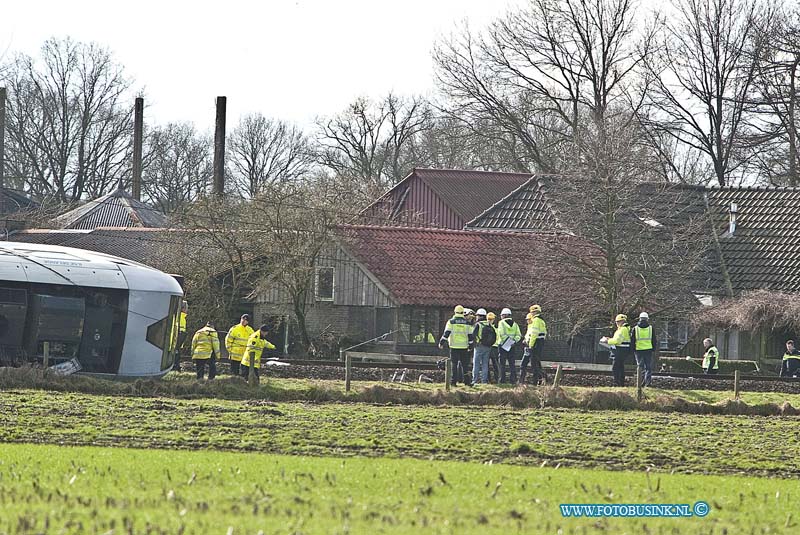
(437, 267)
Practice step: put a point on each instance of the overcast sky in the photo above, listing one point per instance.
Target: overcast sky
(285, 58)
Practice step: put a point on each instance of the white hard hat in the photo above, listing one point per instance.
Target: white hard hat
(468, 311)
(481, 312)
(644, 315)
(505, 312)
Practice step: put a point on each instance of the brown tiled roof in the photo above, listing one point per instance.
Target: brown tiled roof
(469, 193)
(116, 209)
(440, 198)
(764, 250)
(438, 267)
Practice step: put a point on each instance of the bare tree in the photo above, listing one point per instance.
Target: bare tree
(773, 126)
(535, 73)
(365, 146)
(264, 152)
(177, 166)
(700, 78)
(68, 120)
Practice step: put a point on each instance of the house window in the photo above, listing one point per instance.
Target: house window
(420, 326)
(324, 286)
(663, 336)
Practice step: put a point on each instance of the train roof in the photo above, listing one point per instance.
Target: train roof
(54, 264)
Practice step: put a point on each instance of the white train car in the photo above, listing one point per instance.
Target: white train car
(118, 318)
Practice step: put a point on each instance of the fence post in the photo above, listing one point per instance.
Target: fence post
(46, 361)
(735, 384)
(448, 374)
(348, 371)
(252, 379)
(557, 378)
(638, 383)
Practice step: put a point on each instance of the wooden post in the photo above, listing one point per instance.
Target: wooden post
(138, 127)
(735, 384)
(2, 136)
(219, 148)
(348, 371)
(557, 378)
(448, 374)
(46, 361)
(638, 383)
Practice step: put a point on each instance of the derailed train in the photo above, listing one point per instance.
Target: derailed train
(115, 316)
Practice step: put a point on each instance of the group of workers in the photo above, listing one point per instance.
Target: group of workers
(492, 346)
(243, 344)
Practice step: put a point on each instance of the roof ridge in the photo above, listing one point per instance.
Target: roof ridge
(440, 169)
(470, 232)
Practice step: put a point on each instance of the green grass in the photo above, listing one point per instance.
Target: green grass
(634, 440)
(53, 489)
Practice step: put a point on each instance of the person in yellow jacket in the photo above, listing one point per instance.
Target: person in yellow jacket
(181, 338)
(710, 358)
(205, 349)
(620, 345)
(534, 337)
(252, 353)
(236, 342)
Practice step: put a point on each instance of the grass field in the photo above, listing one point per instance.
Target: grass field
(601, 439)
(52, 489)
(180, 460)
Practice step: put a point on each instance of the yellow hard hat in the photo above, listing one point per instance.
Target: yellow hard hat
(535, 309)
(458, 310)
(621, 317)
(490, 316)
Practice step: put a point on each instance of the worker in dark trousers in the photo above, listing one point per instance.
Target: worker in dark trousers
(176, 365)
(458, 335)
(494, 368)
(537, 332)
(790, 366)
(253, 351)
(620, 345)
(509, 335)
(643, 341)
(711, 357)
(205, 350)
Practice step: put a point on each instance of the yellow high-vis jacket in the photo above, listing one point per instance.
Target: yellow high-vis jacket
(236, 341)
(255, 346)
(537, 330)
(205, 343)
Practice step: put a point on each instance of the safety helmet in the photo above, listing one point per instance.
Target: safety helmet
(535, 309)
(621, 317)
(481, 312)
(491, 316)
(644, 316)
(468, 311)
(505, 312)
(458, 310)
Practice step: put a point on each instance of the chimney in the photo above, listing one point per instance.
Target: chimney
(138, 112)
(219, 148)
(732, 224)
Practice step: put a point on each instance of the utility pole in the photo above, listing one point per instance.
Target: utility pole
(2, 137)
(219, 148)
(138, 126)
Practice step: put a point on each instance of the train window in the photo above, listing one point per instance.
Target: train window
(162, 333)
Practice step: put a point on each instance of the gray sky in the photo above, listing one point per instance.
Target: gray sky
(285, 58)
